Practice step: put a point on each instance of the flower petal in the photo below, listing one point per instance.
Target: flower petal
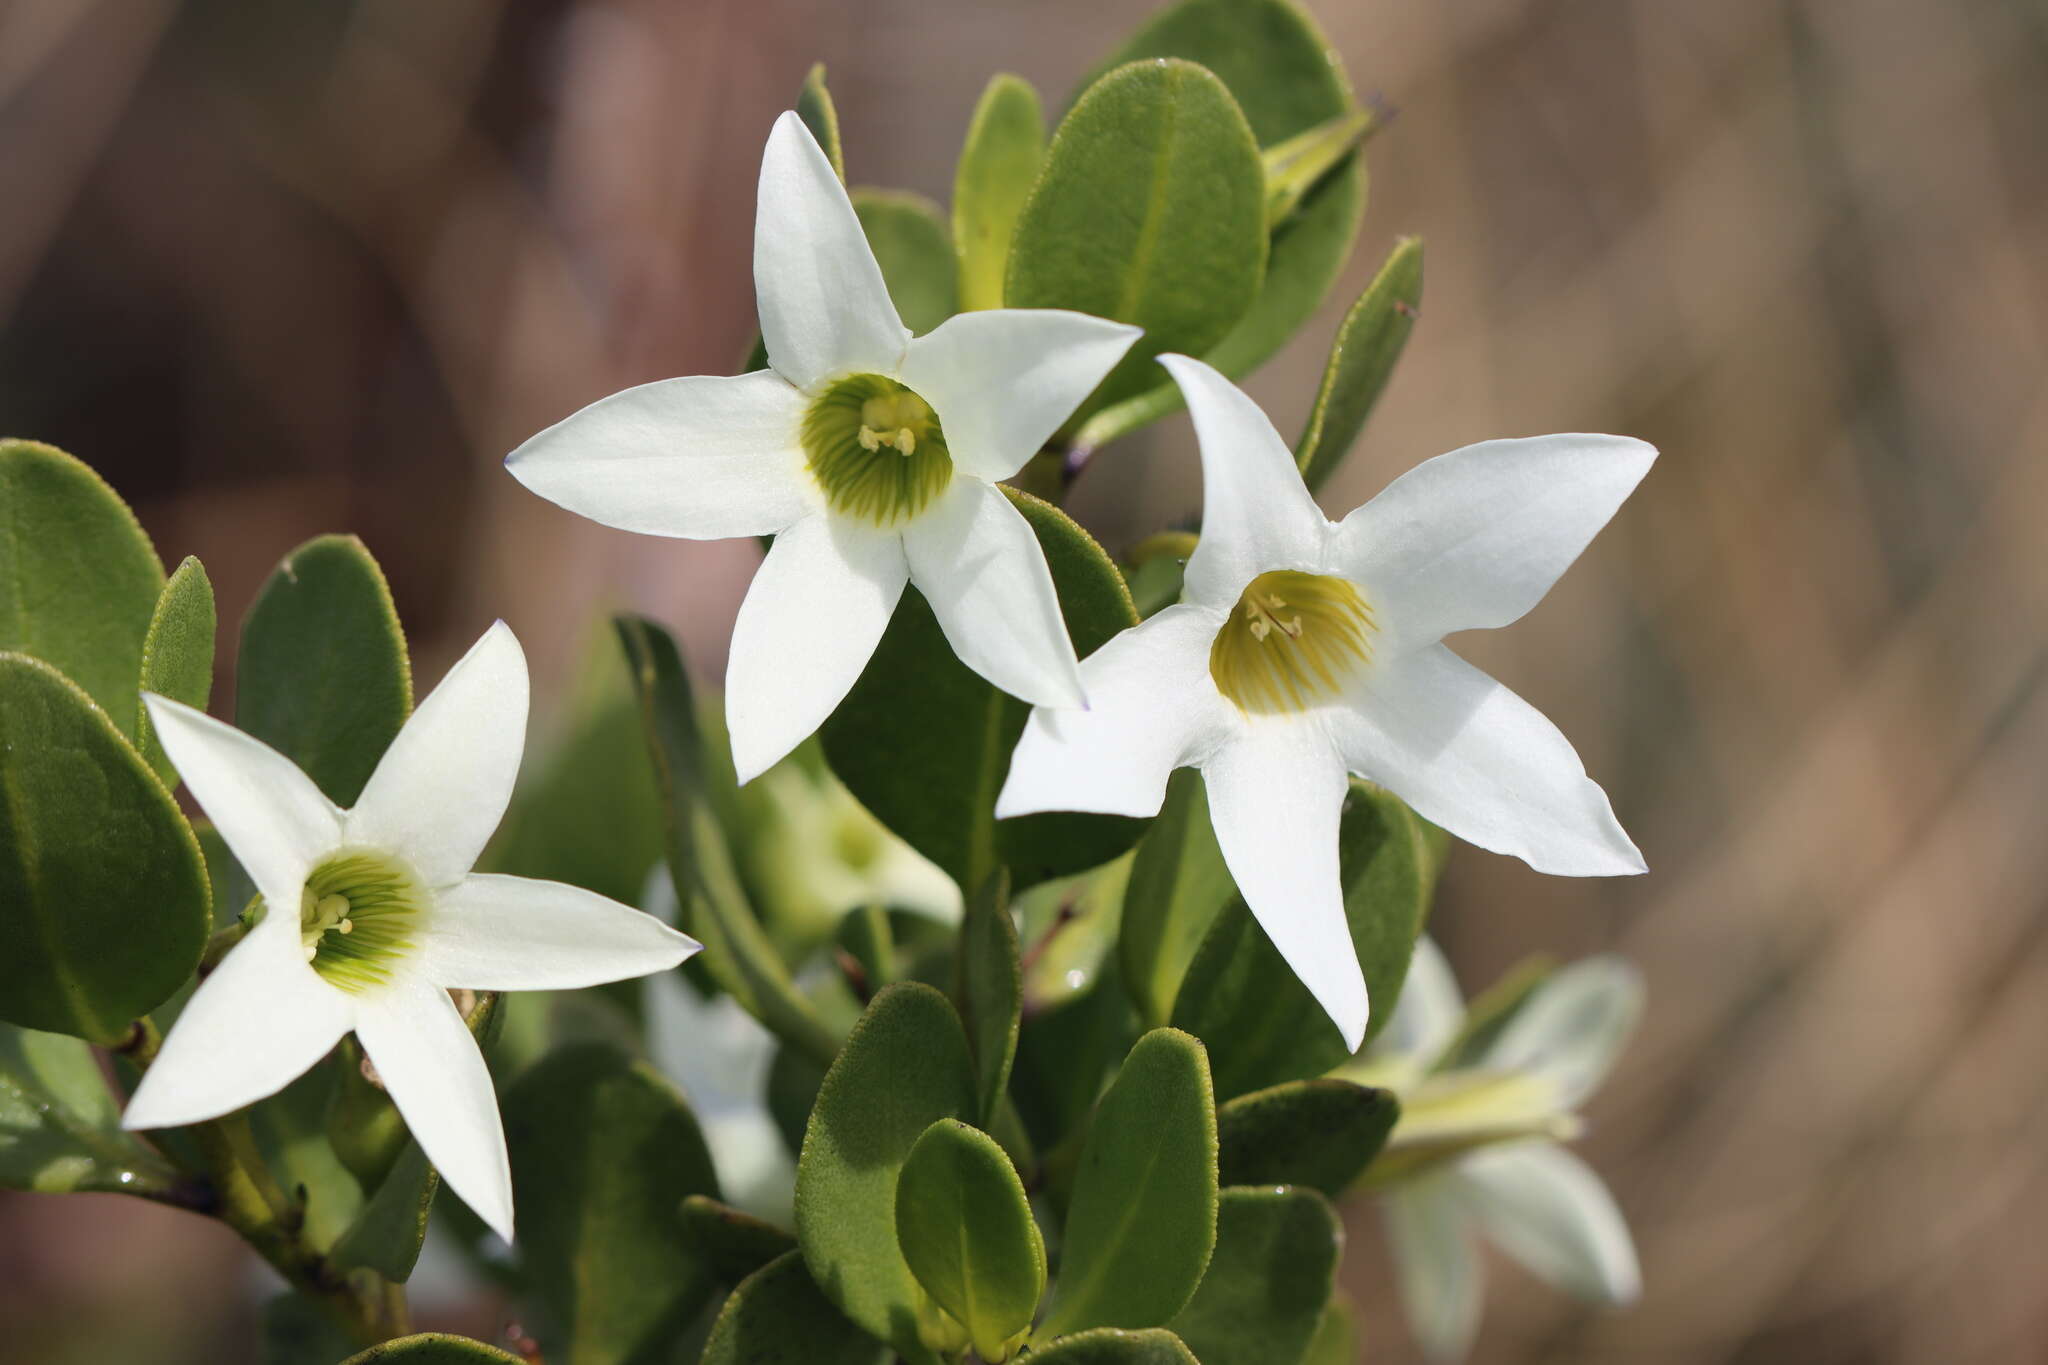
(430, 1063)
(1547, 1209)
(254, 1025)
(443, 785)
(974, 558)
(1574, 1026)
(1442, 1281)
(1428, 1012)
(1276, 796)
(274, 819)
(809, 624)
(1473, 539)
(1472, 756)
(1002, 381)
(498, 933)
(1152, 707)
(702, 458)
(825, 310)
(1257, 514)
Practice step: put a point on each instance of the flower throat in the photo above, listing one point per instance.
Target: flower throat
(1292, 640)
(876, 449)
(358, 915)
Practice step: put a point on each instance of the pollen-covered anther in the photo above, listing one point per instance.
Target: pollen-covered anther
(876, 449)
(1292, 640)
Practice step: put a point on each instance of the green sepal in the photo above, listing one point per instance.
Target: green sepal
(988, 990)
(1269, 1281)
(1178, 886)
(60, 1129)
(104, 898)
(966, 1231)
(1142, 1220)
(733, 1242)
(1115, 1346)
(778, 1316)
(814, 106)
(1362, 358)
(1319, 1133)
(1004, 151)
(905, 1066)
(433, 1348)
(177, 656)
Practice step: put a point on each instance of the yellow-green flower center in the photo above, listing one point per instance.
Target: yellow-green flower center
(1292, 640)
(876, 449)
(359, 914)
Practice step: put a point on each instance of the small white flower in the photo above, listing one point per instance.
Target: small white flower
(1303, 650)
(871, 455)
(1523, 1192)
(373, 915)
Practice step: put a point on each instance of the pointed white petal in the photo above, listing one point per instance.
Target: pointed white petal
(1472, 756)
(1152, 707)
(1442, 1281)
(1429, 1011)
(272, 816)
(442, 787)
(974, 558)
(1547, 1209)
(1275, 797)
(1256, 512)
(431, 1065)
(824, 308)
(254, 1025)
(498, 933)
(1574, 1026)
(808, 626)
(702, 458)
(1473, 539)
(1002, 381)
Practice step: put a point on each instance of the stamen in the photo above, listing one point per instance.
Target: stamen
(1282, 663)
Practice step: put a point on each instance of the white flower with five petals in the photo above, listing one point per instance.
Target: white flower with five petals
(871, 455)
(1303, 650)
(372, 915)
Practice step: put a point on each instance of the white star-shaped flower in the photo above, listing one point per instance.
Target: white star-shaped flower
(1303, 650)
(871, 455)
(1518, 1189)
(373, 915)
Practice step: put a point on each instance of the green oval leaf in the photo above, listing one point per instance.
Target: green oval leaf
(1269, 1281)
(998, 165)
(603, 1153)
(323, 676)
(915, 250)
(925, 743)
(1361, 361)
(104, 901)
(777, 1316)
(1151, 210)
(988, 988)
(967, 1234)
(904, 1067)
(433, 1348)
(78, 576)
(1143, 1217)
(60, 1130)
(1319, 1133)
(1178, 885)
(734, 1242)
(1261, 1024)
(177, 655)
(1114, 1346)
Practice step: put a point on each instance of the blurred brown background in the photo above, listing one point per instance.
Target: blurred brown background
(279, 269)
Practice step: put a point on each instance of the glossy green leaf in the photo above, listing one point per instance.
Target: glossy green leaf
(1114, 1346)
(966, 1231)
(714, 909)
(734, 1243)
(104, 901)
(1274, 1267)
(433, 1348)
(60, 1130)
(814, 106)
(1065, 1051)
(1150, 210)
(78, 576)
(925, 744)
(1178, 885)
(998, 166)
(603, 1153)
(915, 250)
(988, 989)
(777, 1316)
(1143, 1217)
(177, 655)
(1336, 1341)
(1317, 1133)
(1361, 360)
(1261, 1024)
(904, 1067)
(323, 675)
